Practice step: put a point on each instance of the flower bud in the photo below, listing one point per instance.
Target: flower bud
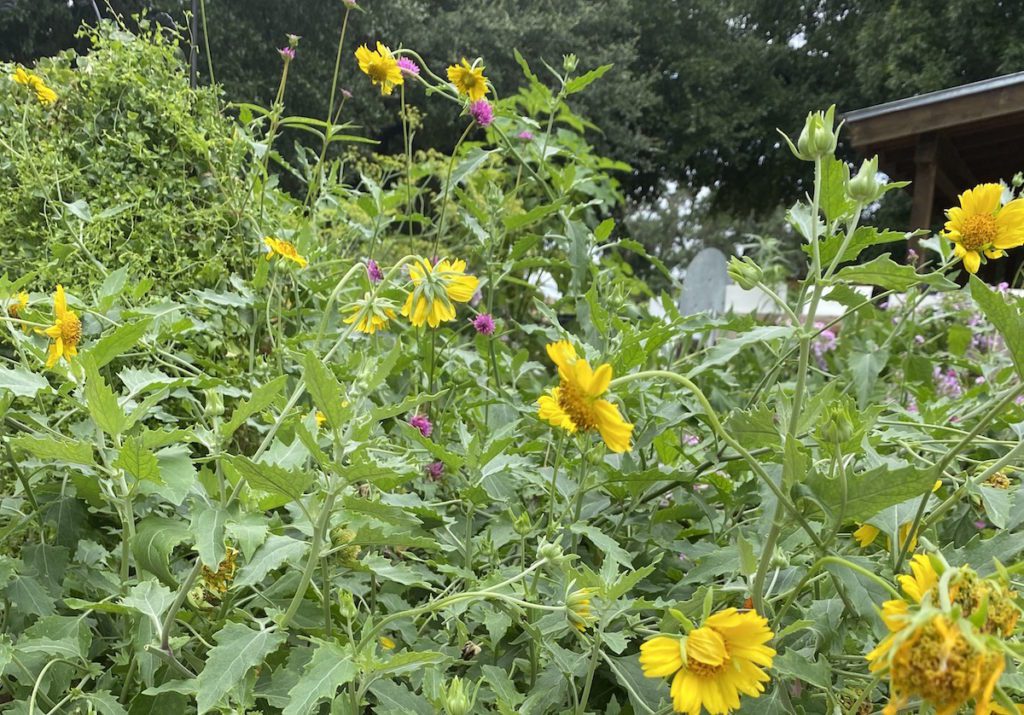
(549, 551)
(522, 524)
(837, 427)
(745, 273)
(347, 605)
(818, 138)
(214, 402)
(569, 63)
(577, 608)
(864, 187)
(457, 700)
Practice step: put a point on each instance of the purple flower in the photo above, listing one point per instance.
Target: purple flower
(287, 53)
(408, 66)
(980, 524)
(482, 112)
(435, 470)
(422, 423)
(947, 383)
(526, 135)
(1003, 287)
(484, 324)
(373, 271)
(691, 439)
(919, 339)
(911, 255)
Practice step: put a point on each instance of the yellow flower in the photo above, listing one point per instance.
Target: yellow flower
(923, 578)
(321, 419)
(386, 643)
(369, 315)
(380, 66)
(578, 608)
(17, 304)
(469, 80)
(575, 405)
(714, 664)
(284, 250)
(66, 331)
(435, 289)
(44, 94)
(978, 225)
(938, 662)
(866, 535)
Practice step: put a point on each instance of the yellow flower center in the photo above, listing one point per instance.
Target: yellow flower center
(703, 669)
(577, 406)
(469, 82)
(978, 232)
(378, 70)
(70, 328)
(706, 654)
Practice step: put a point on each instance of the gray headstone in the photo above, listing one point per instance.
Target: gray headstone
(704, 284)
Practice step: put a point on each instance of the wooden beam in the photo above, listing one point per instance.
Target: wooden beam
(926, 169)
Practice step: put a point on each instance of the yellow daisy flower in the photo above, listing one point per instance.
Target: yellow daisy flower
(22, 76)
(713, 665)
(321, 418)
(387, 643)
(979, 225)
(469, 80)
(284, 250)
(435, 290)
(923, 578)
(370, 315)
(17, 304)
(575, 405)
(578, 608)
(380, 66)
(44, 94)
(66, 331)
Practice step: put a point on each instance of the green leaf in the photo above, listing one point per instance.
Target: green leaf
(1006, 316)
(22, 382)
(57, 450)
(518, 221)
(835, 204)
(103, 406)
(272, 479)
(583, 81)
(865, 367)
(330, 668)
(724, 351)
(325, 390)
(138, 461)
(275, 552)
(754, 428)
(103, 703)
(151, 599)
(870, 492)
(207, 529)
(155, 539)
(863, 237)
(606, 543)
(118, 342)
(261, 399)
(238, 649)
(886, 273)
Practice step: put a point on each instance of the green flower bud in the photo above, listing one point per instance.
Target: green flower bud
(819, 136)
(347, 605)
(522, 524)
(457, 700)
(214, 402)
(551, 552)
(745, 273)
(864, 188)
(837, 426)
(569, 63)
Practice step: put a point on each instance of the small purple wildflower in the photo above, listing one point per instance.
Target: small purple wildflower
(979, 380)
(911, 255)
(824, 343)
(422, 423)
(408, 66)
(482, 112)
(435, 470)
(373, 271)
(947, 383)
(980, 524)
(1019, 400)
(1003, 287)
(919, 339)
(691, 439)
(526, 135)
(484, 324)
(287, 53)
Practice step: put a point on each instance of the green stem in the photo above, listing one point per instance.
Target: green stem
(839, 561)
(322, 524)
(448, 188)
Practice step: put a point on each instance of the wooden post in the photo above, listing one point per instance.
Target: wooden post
(194, 54)
(926, 168)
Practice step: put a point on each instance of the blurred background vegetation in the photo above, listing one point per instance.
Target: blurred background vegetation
(693, 102)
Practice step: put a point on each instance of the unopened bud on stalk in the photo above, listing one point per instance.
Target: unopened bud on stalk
(837, 426)
(745, 272)
(457, 700)
(549, 551)
(347, 605)
(819, 136)
(569, 63)
(522, 524)
(214, 402)
(864, 187)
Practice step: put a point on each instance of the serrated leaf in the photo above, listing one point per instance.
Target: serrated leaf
(870, 492)
(138, 461)
(1005, 316)
(261, 399)
(151, 599)
(886, 273)
(103, 406)
(325, 389)
(275, 552)
(329, 669)
(272, 479)
(22, 382)
(118, 342)
(583, 81)
(155, 539)
(207, 529)
(863, 237)
(238, 649)
(835, 204)
(58, 450)
(606, 543)
(724, 351)
(517, 221)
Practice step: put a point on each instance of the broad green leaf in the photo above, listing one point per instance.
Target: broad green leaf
(330, 668)
(981, 554)
(325, 390)
(803, 667)
(208, 533)
(1005, 315)
(867, 493)
(754, 428)
(30, 595)
(606, 543)
(21, 382)
(407, 405)
(865, 367)
(155, 539)
(57, 450)
(118, 342)
(886, 273)
(863, 237)
(103, 702)
(261, 399)
(275, 552)
(238, 649)
(580, 83)
(103, 406)
(138, 461)
(724, 351)
(151, 599)
(517, 221)
(272, 479)
(834, 202)
(395, 698)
